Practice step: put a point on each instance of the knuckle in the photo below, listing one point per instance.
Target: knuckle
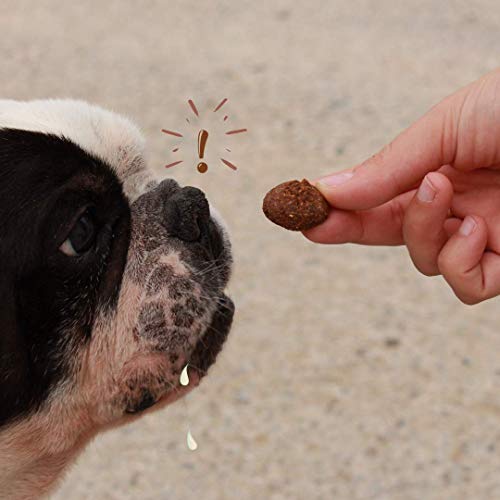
(424, 261)
(411, 226)
(397, 213)
(444, 264)
(418, 222)
(398, 187)
(468, 299)
(378, 159)
(470, 294)
(427, 270)
(424, 264)
(450, 114)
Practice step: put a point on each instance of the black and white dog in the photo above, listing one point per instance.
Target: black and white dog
(110, 283)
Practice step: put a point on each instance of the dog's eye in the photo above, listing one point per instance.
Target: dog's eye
(81, 237)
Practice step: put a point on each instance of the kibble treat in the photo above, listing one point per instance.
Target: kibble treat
(295, 205)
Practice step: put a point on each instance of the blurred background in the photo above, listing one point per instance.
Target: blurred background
(348, 375)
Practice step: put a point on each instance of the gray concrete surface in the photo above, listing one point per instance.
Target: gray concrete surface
(348, 375)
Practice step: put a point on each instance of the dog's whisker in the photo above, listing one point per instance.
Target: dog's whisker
(213, 266)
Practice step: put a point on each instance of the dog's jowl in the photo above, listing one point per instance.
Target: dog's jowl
(111, 283)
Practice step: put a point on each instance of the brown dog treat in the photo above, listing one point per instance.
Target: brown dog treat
(295, 205)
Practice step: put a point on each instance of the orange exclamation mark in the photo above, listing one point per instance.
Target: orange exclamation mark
(202, 142)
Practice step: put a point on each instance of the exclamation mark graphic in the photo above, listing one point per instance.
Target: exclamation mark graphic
(202, 142)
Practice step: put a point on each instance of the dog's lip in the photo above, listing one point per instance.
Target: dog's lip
(205, 351)
(180, 391)
(210, 344)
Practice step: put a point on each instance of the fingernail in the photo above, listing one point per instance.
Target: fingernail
(468, 226)
(336, 180)
(426, 192)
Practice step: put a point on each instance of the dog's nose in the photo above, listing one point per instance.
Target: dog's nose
(186, 214)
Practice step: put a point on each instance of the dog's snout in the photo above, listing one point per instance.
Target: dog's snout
(187, 214)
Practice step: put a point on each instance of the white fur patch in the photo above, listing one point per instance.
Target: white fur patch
(99, 132)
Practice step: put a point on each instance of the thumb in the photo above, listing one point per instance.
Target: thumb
(400, 166)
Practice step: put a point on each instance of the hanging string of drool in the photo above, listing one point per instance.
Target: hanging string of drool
(184, 381)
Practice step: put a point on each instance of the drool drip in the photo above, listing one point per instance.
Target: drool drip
(184, 381)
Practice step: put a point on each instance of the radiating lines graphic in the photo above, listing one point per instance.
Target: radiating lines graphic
(203, 137)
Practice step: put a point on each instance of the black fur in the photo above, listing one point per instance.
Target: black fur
(206, 351)
(49, 300)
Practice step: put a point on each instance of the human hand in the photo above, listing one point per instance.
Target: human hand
(435, 189)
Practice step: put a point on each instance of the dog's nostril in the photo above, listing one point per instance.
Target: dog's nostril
(186, 214)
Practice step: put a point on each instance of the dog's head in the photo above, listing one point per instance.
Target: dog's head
(111, 282)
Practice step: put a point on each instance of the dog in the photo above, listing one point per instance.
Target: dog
(111, 282)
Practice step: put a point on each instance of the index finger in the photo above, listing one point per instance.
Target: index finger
(377, 226)
(425, 146)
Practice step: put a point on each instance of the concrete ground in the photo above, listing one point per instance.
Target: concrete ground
(348, 375)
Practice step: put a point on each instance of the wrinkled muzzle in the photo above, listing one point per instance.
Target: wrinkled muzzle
(172, 297)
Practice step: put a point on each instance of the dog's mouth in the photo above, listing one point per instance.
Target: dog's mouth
(207, 348)
(202, 358)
